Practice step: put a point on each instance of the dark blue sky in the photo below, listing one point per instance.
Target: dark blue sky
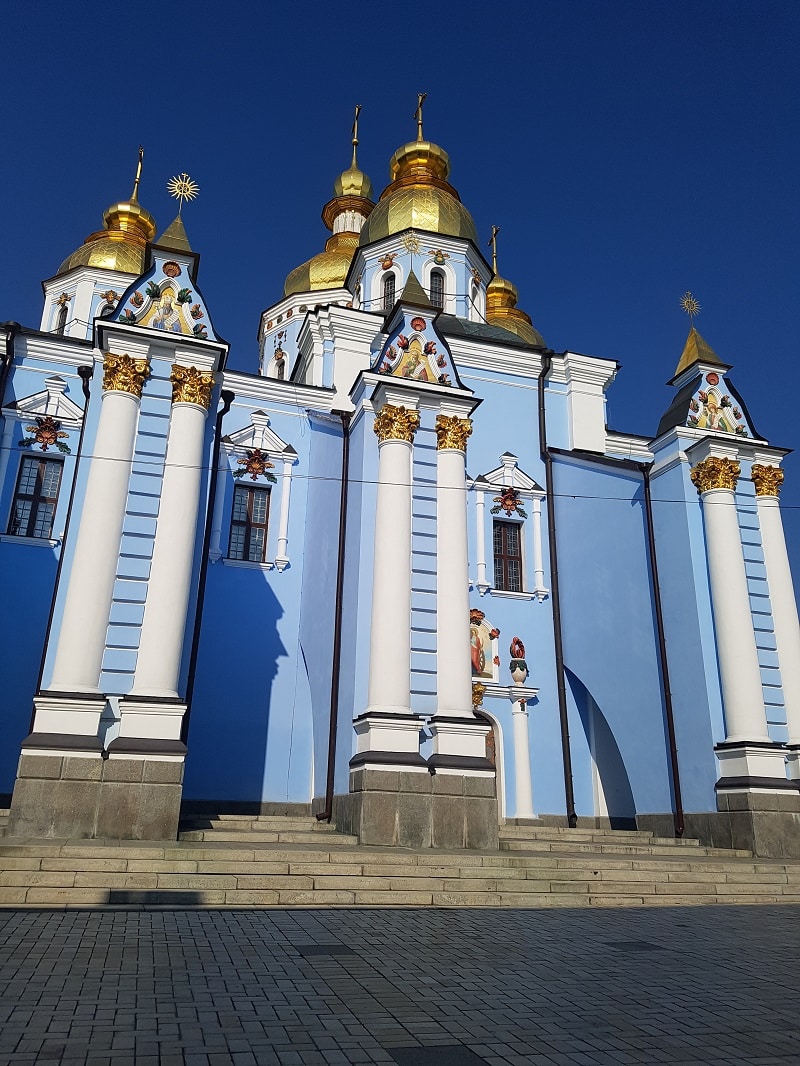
(628, 150)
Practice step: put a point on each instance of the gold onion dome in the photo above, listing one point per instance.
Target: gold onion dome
(419, 196)
(120, 245)
(501, 304)
(352, 196)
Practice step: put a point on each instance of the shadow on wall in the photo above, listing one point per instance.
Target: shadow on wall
(237, 665)
(612, 789)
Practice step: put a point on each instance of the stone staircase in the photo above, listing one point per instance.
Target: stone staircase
(271, 861)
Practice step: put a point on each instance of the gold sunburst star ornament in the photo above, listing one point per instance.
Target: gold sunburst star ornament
(690, 305)
(181, 187)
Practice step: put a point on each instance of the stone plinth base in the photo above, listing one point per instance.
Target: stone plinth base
(764, 823)
(84, 795)
(419, 810)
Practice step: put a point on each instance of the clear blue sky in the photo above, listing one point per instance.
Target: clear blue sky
(628, 150)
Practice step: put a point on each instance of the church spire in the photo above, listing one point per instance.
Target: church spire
(138, 178)
(696, 350)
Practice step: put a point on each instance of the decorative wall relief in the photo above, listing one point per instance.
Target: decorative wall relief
(713, 409)
(417, 352)
(482, 646)
(510, 502)
(256, 463)
(46, 433)
(161, 302)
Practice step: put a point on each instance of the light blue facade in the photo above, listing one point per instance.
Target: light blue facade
(263, 636)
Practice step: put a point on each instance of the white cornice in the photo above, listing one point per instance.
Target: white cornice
(53, 348)
(493, 355)
(274, 391)
(628, 446)
(589, 369)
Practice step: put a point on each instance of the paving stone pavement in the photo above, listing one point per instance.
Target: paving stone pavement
(407, 987)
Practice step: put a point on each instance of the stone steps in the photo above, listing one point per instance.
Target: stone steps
(551, 869)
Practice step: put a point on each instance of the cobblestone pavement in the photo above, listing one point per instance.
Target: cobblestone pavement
(410, 987)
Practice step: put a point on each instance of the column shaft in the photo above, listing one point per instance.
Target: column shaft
(522, 761)
(390, 633)
(454, 679)
(161, 645)
(740, 672)
(81, 640)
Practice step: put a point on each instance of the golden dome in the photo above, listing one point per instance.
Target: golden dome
(502, 310)
(326, 270)
(353, 182)
(419, 197)
(120, 245)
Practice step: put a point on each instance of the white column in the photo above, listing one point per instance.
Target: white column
(454, 678)
(748, 758)
(163, 628)
(538, 561)
(782, 599)
(480, 515)
(522, 761)
(82, 634)
(282, 558)
(390, 632)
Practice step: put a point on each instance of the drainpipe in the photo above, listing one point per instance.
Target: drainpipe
(12, 329)
(326, 814)
(85, 373)
(227, 398)
(645, 468)
(569, 793)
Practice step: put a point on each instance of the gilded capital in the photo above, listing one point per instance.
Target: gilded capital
(478, 691)
(767, 479)
(452, 432)
(121, 373)
(190, 385)
(396, 423)
(715, 473)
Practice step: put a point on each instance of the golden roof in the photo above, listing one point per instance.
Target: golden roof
(353, 182)
(696, 350)
(326, 270)
(502, 310)
(120, 245)
(419, 196)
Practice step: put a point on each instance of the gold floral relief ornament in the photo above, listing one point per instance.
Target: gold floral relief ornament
(396, 423)
(190, 385)
(121, 373)
(478, 691)
(715, 473)
(452, 432)
(768, 480)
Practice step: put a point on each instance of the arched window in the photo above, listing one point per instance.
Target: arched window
(61, 321)
(389, 284)
(437, 288)
(474, 312)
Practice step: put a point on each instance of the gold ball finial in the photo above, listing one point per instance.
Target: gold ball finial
(690, 305)
(181, 188)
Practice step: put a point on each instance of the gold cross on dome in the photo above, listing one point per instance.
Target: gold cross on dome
(421, 98)
(493, 243)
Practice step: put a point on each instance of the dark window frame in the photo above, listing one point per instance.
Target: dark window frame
(438, 290)
(248, 524)
(389, 291)
(37, 498)
(507, 551)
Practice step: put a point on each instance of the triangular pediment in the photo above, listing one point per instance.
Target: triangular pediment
(509, 475)
(166, 298)
(415, 350)
(51, 401)
(258, 435)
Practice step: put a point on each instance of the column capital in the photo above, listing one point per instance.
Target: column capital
(715, 473)
(121, 373)
(478, 691)
(768, 480)
(190, 385)
(452, 432)
(396, 423)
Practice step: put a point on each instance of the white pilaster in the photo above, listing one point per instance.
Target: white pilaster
(282, 558)
(215, 543)
(480, 517)
(81, 638)
(522, 761)
(784, 608)
(539, 587)
(454, 680)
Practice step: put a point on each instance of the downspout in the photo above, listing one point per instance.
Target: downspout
(227, 398)
(85, 373)
(12, 329)
(327, 812)
(569, 793)
(662, 653)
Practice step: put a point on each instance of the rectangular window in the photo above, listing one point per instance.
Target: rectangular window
(507, 557)
(249, 524)
(35, 498)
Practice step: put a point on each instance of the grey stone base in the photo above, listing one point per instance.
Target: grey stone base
(86, 797)
(211, 808)
(419, 810)
(767, 825)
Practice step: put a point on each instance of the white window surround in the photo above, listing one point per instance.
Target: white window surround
(509, 475)
(34, 542)
(283, 456)
(376, 287)
(450, 285)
